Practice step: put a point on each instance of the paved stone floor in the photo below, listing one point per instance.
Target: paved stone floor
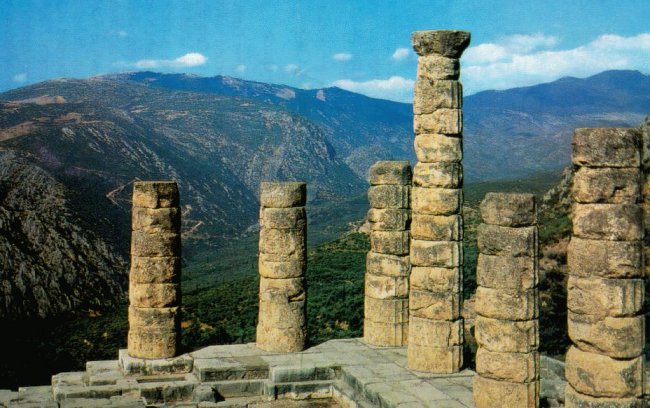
(338, 373)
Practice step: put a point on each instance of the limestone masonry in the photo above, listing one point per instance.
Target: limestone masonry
(154, 280)
(386, 312)
(282, 322)
(605, 365)
(435, 342)
(507, 304)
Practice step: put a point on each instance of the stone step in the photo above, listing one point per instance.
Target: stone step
(230, 369)
(300, 390)
(167, 389)
(220, 390)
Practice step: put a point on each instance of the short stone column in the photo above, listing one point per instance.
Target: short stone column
(154, 280)
(282, 321)
(435, 341)
(507, 321)
(605, 364)
(387, 264)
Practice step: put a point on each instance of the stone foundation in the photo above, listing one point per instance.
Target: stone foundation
(436, 201)
(154, 280)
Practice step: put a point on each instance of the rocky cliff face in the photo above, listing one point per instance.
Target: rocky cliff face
(49, 263)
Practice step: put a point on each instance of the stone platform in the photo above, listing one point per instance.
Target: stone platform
(338, 373)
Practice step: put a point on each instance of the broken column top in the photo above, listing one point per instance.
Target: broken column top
(448, 43)
(390, 172)
(274, 194)
(606, 147)
(509, 209)
(155, 194)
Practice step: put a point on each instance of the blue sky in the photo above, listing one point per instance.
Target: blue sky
(363, 46)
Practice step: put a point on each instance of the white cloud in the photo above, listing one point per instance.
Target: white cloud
(20, 78)
(241, 68)
(119, 33)
(291, 68)
(400, 54)
(343, 56)
(191, 59)
(272, 68)
(528, 60)
(394, 88)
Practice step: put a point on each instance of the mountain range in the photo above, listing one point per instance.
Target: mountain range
(71, 148)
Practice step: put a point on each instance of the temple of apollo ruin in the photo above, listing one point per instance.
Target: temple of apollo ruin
(413, 345)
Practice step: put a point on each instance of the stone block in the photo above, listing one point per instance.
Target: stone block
(292, 289)
(509, 209)
(430, 95)
(156, 220)
(389, 196)
(513, 367)
(507, 304)
(281, 218)
(507, 241)
(615, 222)
(607, 185)
(436, 279)
(389, 219)
(386, 310)
(389, 265)
(442, 121)
(605, 259)
(518, 273)
(154, 294)
(437, 227)
(445, 254)
(155, 194)
(155, 270)
(390, 172)
(153, 344)
(278, 312)
(616, 337)
(283, 241)
(606, 147)
(283, 194)
(435, 333)
(448, 43)
(390, 242)
(434, 67)
(292, 268)
(506, 336)
(444, 174)
(433, 148)
(385, 334)
(158, 318)
(605, 297)
(435, 305)
(489, 393)
(155, 245)
(574, 399)
(442, 360)
(386, 287)
(601, 376)
(437, 201)
(281, 340)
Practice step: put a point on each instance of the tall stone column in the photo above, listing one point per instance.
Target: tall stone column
(435, 341)
(507, 322)
(387, 264)
(154, 280)
(282, 322)
(645, 165)
(605, 364)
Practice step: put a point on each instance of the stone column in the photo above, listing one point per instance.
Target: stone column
(645, 164)
(154, 280)
(282, 322)
(507, 321)
(435, 341)
(387, 264)
(604, 366)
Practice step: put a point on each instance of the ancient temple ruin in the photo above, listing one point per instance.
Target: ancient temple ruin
(411, 353)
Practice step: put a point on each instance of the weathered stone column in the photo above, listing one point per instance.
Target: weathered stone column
(282, 322)
(435, 341)
(604, 367)
(154, 291)
(645, 191)
(387, 264)
(507, 321)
